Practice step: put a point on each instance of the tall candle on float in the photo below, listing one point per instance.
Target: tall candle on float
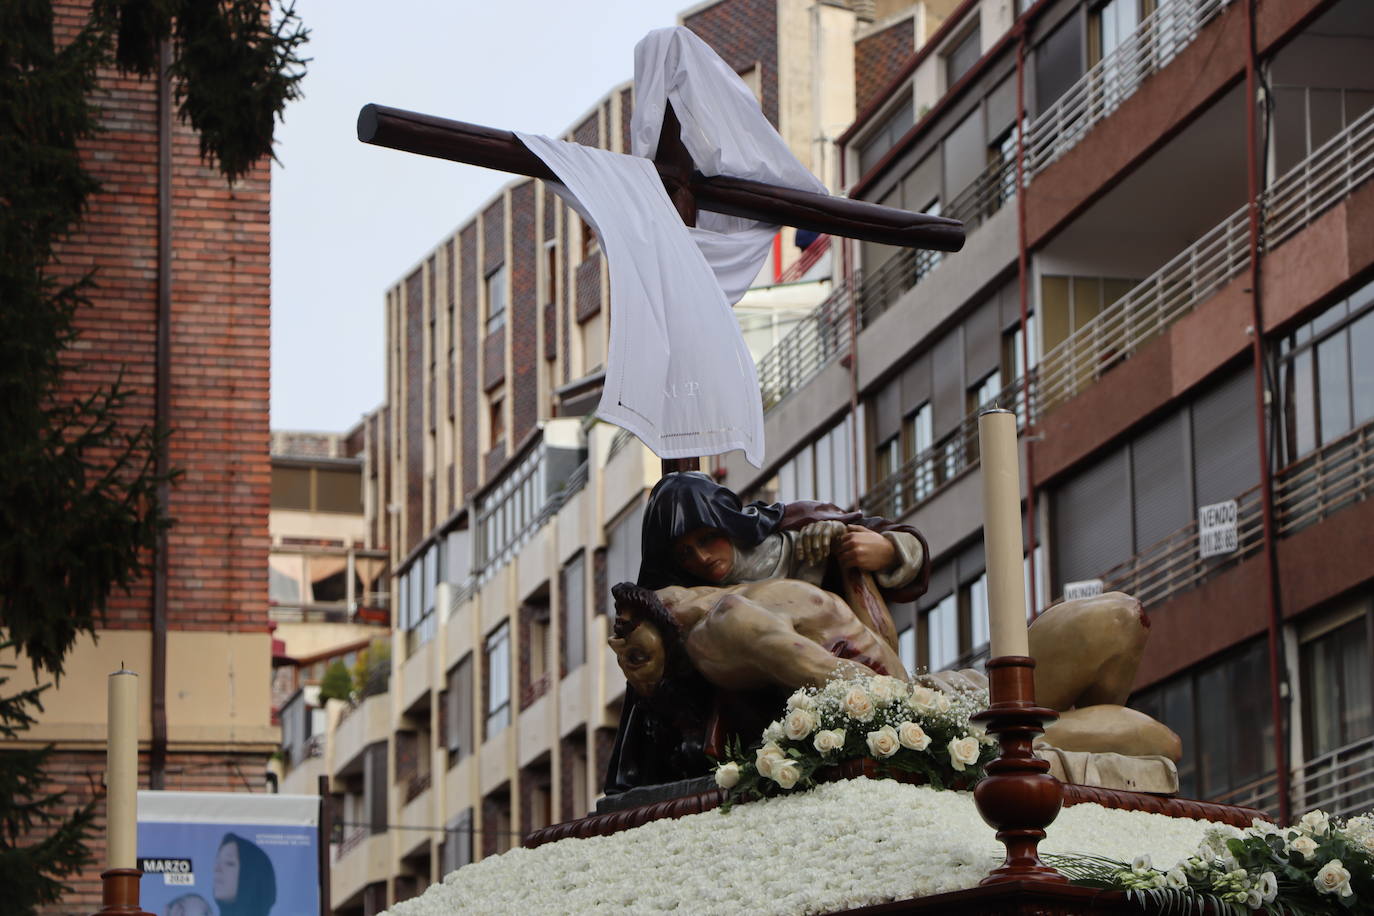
(121, 771)
(1002, 533)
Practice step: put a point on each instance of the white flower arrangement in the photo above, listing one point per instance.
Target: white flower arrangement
(1317, 866)
(905, 728)
(861, 841)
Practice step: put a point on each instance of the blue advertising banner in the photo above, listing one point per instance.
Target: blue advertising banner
(228, 854)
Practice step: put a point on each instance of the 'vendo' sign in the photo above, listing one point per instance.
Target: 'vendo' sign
(1216, 529)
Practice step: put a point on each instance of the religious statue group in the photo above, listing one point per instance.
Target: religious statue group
(737, 606)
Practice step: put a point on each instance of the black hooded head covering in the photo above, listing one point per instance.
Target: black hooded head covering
(257, 891)
(684, 501)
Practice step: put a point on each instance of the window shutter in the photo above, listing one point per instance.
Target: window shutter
(1225, 456)
(982, 343)
(1092, 524)
(1159, 482)
(948, 382)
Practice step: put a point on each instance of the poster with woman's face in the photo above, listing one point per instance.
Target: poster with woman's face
(228, 854)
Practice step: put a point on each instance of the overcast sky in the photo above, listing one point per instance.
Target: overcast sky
(349, 220)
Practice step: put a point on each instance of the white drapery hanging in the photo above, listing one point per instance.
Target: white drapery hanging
(678, 374)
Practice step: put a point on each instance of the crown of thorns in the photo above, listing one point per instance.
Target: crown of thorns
(635, 605)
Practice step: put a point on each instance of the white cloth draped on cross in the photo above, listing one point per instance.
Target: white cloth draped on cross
(678, 373)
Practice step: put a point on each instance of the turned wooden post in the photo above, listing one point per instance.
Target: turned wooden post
(119, 893)
(1018, 797)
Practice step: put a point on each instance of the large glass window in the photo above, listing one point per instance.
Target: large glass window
(496, 654)
(496, 296)
(572, 590)
(885, 136)
(1336, 686)
(458, 705)
(1058, 62)
(961, 57)
(1326, 375)
(1221, 712)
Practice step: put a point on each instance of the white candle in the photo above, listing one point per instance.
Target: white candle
(121, 772)
(1002, 532)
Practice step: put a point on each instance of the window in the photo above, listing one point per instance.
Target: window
(918, 437)
(885, 136)
(1058, 63)
(1111, 24)
(942, 633)
(313, 489)
(496, 417)
(572, 589)
(496, 654)
(961, 56)
(458, 705)
(496, 296)
(457, 848)
(906, 649)
(591, 245)
(1221, 712)
(1326, 375)
(622, 550)
(1336, 681)
(550, 271)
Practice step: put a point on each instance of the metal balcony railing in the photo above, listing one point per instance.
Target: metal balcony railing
(1329, 479)
(930, 470)
(351, 841)
(1302, 194)
(1339, 782)
(813, 343)
(1310, 489)
(985, 195)
(1100, 91)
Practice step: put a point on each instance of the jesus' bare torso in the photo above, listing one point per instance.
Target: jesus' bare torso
(780, 632)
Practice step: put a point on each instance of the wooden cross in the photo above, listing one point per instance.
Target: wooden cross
(688, 189)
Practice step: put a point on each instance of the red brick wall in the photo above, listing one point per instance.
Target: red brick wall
(878, 58)
(524, 317)
(78, 776)
(413, 392)
(744, 34)
(467, 293)
(219, 347)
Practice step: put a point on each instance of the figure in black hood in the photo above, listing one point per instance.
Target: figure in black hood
(245, 883)
(697, 532)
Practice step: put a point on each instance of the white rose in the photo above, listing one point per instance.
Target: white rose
(1268, 887)
(786, 773)
(799, 723)
(913, 736)
(883, 742)
(885, 689)
(801, 700)
(962, 752)
(942, 703)
(1254, 899)
(767, 755)
(1315, 822)
(1304, 845)
(858, 704)
(1176, 879)
(773, 733)
(727, 775)
(1333, 879)
(1142, 865)
(828, 740)
(923, 700)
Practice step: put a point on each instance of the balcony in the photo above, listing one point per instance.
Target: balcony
(1312, 187)
(1332, 478)
(361, 859)
(930, 471)
(361, 726)
(1103, 88)
(1340, 782)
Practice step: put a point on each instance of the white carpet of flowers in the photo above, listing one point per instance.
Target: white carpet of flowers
(839, 846)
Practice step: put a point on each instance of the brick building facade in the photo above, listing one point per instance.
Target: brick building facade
(217, 246)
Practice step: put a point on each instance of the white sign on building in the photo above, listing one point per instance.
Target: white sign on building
(1087, 588)
(1216, 529)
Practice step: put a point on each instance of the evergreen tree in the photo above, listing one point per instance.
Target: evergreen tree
(337, 683)
(78, 508)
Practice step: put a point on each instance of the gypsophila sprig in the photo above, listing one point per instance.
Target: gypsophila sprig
(905, 728)
(1317, 866)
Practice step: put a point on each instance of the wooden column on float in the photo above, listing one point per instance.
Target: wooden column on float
(1019, 798)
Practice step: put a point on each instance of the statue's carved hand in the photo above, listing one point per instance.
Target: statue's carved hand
(864, 549)
(815, 540)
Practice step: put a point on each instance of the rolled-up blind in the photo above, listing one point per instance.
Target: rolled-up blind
(1225, 449)
(1092, 520)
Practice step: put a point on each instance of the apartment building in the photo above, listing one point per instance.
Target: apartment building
(508, 511)
(1196, 390)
